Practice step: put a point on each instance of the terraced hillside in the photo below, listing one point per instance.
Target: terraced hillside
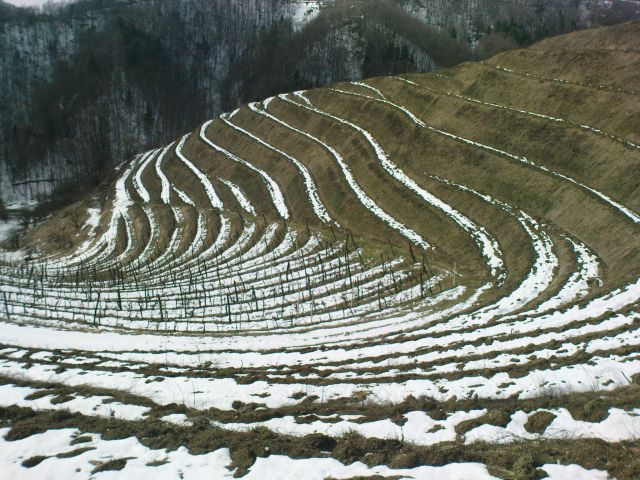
(422, 276)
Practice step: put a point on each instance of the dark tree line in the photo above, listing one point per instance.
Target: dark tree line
(282, 59)
(113, 70)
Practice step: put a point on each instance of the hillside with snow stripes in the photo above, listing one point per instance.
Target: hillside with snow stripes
(379, 272)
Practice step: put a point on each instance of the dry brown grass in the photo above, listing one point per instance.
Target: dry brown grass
(592, 159)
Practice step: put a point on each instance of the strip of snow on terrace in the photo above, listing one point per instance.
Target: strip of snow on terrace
(541, 274)
(183, 196)
(577, 286)
(120, 206)
(96, 405)
(524, 112)
(419, 428)
(196, 244)
(617, 427)
(562, 80)
(240, 196)
(309, 184)
(164, 181)
(488, 245)
(211, 192)
(272, 186)
(144, 462)
(550, 321)
(580, 379)
(367, 201)
(154, 234)
(621, 208)
(370, 87)
(137, 179)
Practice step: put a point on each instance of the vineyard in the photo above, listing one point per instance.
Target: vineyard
(418, 276)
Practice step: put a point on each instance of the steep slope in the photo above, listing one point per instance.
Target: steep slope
(391, 271)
